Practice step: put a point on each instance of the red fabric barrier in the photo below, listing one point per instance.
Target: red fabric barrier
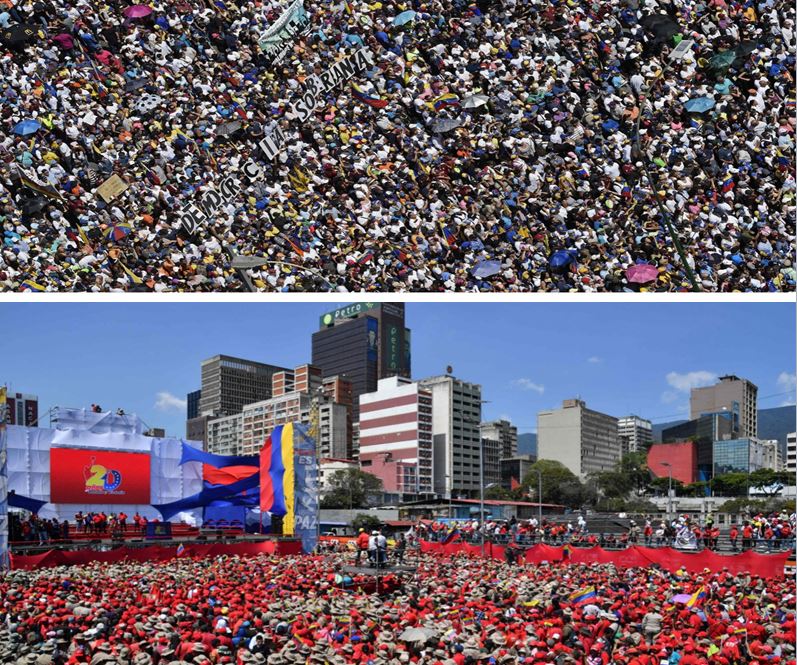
(763, 565)
(152, 553)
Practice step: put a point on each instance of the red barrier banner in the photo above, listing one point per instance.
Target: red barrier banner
(80, 475)
(152, 553)
(763, 565)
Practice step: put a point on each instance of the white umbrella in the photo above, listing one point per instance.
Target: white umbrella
(417, 634)
(147, 103)
(474, 101)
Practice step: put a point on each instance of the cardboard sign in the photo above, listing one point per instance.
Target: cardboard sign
(112, 188)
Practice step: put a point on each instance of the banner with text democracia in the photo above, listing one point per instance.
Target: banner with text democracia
(277, 40)
(318, 85)
(306, 488)
(195, 215)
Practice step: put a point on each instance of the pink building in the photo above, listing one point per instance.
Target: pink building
(396, 436)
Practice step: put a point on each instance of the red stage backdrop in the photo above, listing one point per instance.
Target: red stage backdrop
(78, 475)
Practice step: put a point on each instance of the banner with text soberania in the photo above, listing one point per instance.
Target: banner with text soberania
(276, 41)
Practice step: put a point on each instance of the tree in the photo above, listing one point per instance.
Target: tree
(559, 484)
(730, 484)
(366, 522)
(351, 488)
(635, 466)
(768, 482)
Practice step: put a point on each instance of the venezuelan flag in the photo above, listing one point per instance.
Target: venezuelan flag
(444, 101)
(277, 476)
(583, 595)
(728, 185)
(566, 552)
(30, 285)
(450, 236)
(180, 549)
(697, 597)
(359, 94)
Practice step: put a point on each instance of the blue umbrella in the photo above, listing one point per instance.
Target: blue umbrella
(27, 127)
(699, 104)
(560, 259)
(486, 269)
(404, 17)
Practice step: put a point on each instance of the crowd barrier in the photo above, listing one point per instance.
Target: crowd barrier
(152, 553)
(763, 565)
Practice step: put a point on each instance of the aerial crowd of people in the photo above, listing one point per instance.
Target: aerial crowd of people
(495, 145)
(450, 611)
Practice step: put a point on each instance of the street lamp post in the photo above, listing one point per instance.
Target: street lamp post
(481, 493)
(669, 488)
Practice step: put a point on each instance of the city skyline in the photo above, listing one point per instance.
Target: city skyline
(145, 358)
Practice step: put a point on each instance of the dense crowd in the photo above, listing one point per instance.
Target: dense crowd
(494, 145)
(459, 611)
(773, 531)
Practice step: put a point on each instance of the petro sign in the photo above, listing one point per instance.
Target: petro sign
(348, 312)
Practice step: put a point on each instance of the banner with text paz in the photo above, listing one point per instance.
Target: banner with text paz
(79, 475)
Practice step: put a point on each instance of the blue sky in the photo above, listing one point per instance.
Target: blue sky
(620, 358)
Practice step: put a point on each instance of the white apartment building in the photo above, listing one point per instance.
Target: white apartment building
(395, 436)
(456, 420)
(581, 439)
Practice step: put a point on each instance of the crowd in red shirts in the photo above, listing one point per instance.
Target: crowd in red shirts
(774, 531)
(307, 610)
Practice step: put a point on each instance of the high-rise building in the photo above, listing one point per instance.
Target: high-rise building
(456, 419)
(636, 434)
(505, 433)
(396, 437)
(514, 470)
(224, 435)
(301, 395)
(363, 343)
(492, 451)
(704, 431)
(739, 456)
(731, 394)
(581, 439)
(192, 404)
(228, 384)
(22, 409)
(772, 458)
(791, 453)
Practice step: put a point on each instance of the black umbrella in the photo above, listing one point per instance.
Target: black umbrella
(661, 25)
(34, 205)
(20, 34)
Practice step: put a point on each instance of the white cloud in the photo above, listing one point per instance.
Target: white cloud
(594, 360)
(528, 384)
(168, 402)
(685, 382)
(787, 381)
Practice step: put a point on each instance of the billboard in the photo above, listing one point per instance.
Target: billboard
(80, 475)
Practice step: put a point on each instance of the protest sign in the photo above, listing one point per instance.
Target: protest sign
(276, 41)
(273, 143)
(112, 188)
(318, 85)
(196, 214)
